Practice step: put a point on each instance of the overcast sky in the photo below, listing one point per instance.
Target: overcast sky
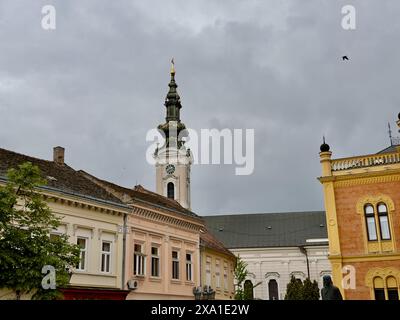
(97, 84)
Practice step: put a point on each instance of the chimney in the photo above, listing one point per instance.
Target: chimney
(58, 155)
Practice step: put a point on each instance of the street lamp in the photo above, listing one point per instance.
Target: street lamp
(197, 293)
(207, 293)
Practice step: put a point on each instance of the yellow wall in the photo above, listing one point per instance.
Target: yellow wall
(229, 261)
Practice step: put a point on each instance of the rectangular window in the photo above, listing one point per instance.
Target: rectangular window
(189, 267)
(155, 262)
(208, 271)
(372, 236)
(393, 294)
(139, 260)
(379, 294)
(225, 277)
(82, 243)
(105, 256)
(384, 223)
(175, 265)
(217, 274)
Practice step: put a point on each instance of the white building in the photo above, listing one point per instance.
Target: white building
(276, 246)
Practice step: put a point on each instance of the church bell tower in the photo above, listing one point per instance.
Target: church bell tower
(173, 159)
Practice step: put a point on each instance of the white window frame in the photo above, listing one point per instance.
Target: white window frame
(139, 256)
(208, 271)
(106, 254)
(217, 274)
(83, 251)
(175, 183)
(189, 266)
(153, 256)
(174, 261)
(226, 276)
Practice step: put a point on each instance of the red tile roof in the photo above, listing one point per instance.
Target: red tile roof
(209, 241)
(143, 194)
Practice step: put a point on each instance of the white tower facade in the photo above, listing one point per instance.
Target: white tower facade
(173, 160)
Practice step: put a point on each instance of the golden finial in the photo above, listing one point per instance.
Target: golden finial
(172, 66)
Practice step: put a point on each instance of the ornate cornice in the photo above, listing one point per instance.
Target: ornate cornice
(166, 219)
(366, 179)
(81, 204)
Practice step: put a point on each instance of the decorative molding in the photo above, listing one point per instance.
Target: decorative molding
(379, 245)
(383, 273)
(374, 200)
(365, 180)
(296, 274)
(250, 276)
(325, 273)
(79, 204)
(272, 275)
(84, 227)
(176, 222)
(101, 231)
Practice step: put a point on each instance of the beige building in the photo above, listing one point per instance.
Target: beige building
(163, 239)
(91, 218)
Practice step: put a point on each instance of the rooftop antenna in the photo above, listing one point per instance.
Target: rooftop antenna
(390, 134)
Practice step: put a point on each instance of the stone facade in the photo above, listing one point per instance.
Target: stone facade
(279, 264)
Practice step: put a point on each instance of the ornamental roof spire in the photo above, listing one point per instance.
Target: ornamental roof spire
(173, 100)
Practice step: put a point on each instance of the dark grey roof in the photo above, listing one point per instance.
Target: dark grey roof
(268, 229)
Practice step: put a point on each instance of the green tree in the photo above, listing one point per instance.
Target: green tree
(299, 290)
(310, 290)
(294, 289)
(244, 289)
(240, 274)
(25, 245)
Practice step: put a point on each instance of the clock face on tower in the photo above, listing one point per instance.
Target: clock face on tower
(170, 169)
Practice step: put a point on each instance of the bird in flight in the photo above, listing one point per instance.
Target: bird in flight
(345, 58)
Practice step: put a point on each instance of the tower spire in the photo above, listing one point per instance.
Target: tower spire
(173, 124)
(173, 160)
(172, 66)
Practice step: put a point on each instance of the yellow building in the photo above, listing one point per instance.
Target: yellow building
(217, 267)
(362, 201)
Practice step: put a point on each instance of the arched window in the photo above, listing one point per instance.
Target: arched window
(273, 290)
(248, 290)
(171, 190)
(383, 221)
(370, 222)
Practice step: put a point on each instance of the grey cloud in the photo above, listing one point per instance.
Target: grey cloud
(97, 84)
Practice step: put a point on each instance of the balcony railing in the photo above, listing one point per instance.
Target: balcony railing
(365, 161)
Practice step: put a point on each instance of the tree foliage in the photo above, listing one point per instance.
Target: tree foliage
(240, 274)
(299, 290)
(243, 290)
(25, 245)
